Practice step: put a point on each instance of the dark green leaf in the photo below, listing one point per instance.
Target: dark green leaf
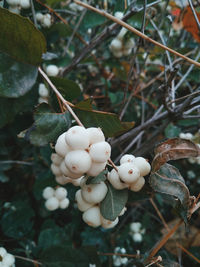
(18, 223)
(113, 203)
(92, 20)
(69, 89)
(108, 122)
(16, 78)
(48, 125)
(172, 131)
(20, 38)
(98, 179)
(168, 180)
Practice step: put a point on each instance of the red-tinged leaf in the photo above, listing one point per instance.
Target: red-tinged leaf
(174, 149)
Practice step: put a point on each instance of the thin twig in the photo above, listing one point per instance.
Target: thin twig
(60, 96)
(132, 29)
(187, 252)
(15, 162)
(27, 259)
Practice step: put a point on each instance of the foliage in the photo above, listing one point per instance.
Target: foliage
(142, 102)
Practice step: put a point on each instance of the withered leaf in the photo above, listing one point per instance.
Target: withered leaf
(174, 149)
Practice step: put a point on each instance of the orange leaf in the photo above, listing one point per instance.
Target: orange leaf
(190, 24)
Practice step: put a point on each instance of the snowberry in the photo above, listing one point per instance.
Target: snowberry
(119, 15)
(137, 237)
(96, 168)
(94, 193)
(78, 161)
(55, 169)
(117, 54)
(127, 52)
(42, 90)
(129, 44)
(3, 252)
(51, 70)
(92, 217)
(77, 137)
(82, 204)
(137, 186)
(188, 136)
(14, 9)
(100, 152)
(25, 4)
(108, 224)
(95, 135)
(116, 45)
(113, 178)
(135, 227)
(52, 203)
(64, 203)
(60, 193)
(56, 159)
(42, 100)
(67, 172)
(128, 173)
(8, 260)
(61, 147)
(39, 16)
(48, 192)
(143, 165)
(127, 158)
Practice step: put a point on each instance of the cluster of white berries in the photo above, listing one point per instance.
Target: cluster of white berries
(130, 173)
(55, 198)
(118, 260)
(16, 5)
(43, 93)
(80, 151)
(190, 136)
(136, 231)
(52, 70)
(75, 7)
(6, 259)
(121, 46)
(44, 19)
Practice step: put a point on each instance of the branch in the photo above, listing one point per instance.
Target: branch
(132, 29)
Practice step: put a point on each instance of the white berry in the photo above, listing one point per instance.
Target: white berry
(96, 168)
(67, 172)
(113, 178)
(14, 9)
(119, 15)
(61, 147)
(25, 4)
(39, 16)
(48, 192)
(129, 44)
(94, 193)
(3, 252)
(60, 193)
(137, 186)
(116, 45)
(51, 70)
(95, 135)
(78, 161)
(42, 90)
(64, 203)
(82, 204)
(117, 54)
(108, 224)
(127, 52)
(100, 152)
(92, 217)
(77, 137)
(52, 203)
(127, 158)
(143, 165)
(8, 260)
(56, 159)
(128, 173)
(137, 237)
(55, 169)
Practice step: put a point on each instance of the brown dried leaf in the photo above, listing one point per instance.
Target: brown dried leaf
(173, 149)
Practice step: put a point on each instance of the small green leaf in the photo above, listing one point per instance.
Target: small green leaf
(16, 79)
(92, 20)
(69, 89)
(101, 177)
(168, 180)
(20, 38)
(108, 122)
(172, 131)
(113, 203)
(48, 125)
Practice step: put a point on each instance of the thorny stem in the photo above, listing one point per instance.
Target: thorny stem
(132, 29)
(60, 96)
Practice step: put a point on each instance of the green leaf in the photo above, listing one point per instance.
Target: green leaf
(16, 78)
(108, 122)
(168, 180)
(101, 177)
(92, 20)
(69, 89)
(113, 203)
(18, 223)
(48, 126)
(20, 38)
(172, 131)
